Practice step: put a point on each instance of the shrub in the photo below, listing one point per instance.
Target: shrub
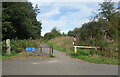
(107, 49)
(92, 51)
(4, 48)
(18, 46)
(50, 55)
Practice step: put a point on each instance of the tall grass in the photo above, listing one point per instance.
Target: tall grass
(108, 55)
(63, 41)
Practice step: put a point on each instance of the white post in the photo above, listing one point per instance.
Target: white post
(75, 49)
(8, 45)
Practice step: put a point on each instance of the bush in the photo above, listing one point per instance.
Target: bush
(92, 51)
(107, 49)
(4, 48)
(84, 52)
(50, 55)
(17, 46)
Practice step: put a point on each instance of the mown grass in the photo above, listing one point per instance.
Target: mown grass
(90, 55)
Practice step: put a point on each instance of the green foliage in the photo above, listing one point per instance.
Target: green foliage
(82, 52)
(98, 59)
(54, 33)
(108, 54)
(63, 34)
(50, 55)
(107, 49)
(19, 20)
(93, 33)
(107, 9)
(35, 55)
(4, 48)
(18, 46)
(92, 51)
(75, 32)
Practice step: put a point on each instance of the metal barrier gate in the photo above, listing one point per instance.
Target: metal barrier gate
(42, 51)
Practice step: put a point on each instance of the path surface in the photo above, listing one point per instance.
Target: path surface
(61, 65)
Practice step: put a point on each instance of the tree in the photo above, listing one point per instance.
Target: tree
(19, 20)
(109, 14)
(106, 10)
(54, 33)
(75, 32)
(107, 21)
(63, 34)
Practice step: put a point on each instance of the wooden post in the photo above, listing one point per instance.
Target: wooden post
(50, 49)
(8, 45)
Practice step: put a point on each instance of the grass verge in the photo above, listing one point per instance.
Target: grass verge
(84, 55)
(22, 54)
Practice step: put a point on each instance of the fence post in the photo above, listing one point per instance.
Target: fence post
(52, 50)
(41, 50)
(75, 50)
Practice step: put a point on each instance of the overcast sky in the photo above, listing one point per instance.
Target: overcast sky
(64, 15)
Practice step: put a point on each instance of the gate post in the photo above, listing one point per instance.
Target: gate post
(41, 50)
(52, 50)
(75, 50)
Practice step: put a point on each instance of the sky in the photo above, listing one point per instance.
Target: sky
(64, 15)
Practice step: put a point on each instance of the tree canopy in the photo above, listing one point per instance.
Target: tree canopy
(54, 33)
(19, 21)
(106, 24)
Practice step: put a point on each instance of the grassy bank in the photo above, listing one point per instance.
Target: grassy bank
(22, 54)
(90, 55)
(18, 47)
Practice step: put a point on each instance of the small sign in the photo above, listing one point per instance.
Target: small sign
(30, 49)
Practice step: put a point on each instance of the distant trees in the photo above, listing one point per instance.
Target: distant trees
(54, 33)
(75, 32)
(19, 21)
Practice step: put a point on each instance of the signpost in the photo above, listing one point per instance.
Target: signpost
(29, 49)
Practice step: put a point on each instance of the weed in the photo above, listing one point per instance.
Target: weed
(50, 55)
